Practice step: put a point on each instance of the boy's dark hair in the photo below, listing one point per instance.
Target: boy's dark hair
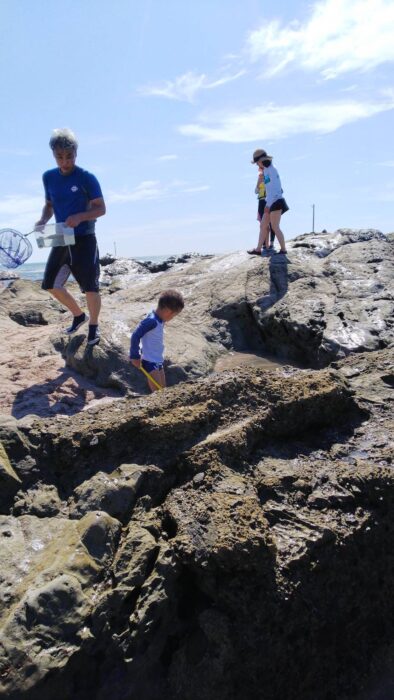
(171, 299)
(267, 163)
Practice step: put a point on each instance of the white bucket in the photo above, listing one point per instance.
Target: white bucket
(53, 235)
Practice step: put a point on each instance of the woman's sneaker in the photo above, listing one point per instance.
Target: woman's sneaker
(78, 321)
(93, 335)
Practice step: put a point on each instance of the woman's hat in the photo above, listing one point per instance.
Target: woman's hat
(260, 153)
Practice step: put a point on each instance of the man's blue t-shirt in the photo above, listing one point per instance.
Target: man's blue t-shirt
(70, 194)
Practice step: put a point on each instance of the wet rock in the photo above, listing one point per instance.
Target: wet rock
(114, 493)
(195, 542)
(8, 275)
(9, 480)
(42, 500)
(171, 261)
(121, 271)
(28, 305)
(107, 259)
(50, 570)
(248, 529)
(333, 296)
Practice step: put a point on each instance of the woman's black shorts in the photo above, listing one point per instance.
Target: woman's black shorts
(280, 205)
(80, 259)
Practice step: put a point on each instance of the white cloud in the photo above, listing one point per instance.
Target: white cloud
(198, 188)
(148, 189)
(20, 211)
(154, 189)
(170, 156)
(268, 121)
(12, 204)
(185, 87)
(23, 152)
(340, 36)
(387, 163)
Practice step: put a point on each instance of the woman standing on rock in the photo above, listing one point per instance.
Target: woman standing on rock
(275, 202)
(261, 194)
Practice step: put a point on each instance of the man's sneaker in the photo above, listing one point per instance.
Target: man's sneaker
(93, 335)
(78, 321)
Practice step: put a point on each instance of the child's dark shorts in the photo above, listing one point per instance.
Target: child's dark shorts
(280, 205)
(150, 366)
(80, 259)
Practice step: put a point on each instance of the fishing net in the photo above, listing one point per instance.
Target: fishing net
(15, 249)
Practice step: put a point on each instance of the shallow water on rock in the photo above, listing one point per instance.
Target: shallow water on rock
(234, 359)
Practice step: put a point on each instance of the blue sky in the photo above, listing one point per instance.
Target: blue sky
(170, 99)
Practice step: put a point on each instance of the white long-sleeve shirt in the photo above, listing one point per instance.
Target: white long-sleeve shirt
(149, 333)
(272, 185)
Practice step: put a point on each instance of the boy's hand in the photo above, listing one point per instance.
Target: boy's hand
(136, 363)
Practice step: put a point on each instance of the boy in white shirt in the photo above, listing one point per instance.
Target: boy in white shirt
(150, 334)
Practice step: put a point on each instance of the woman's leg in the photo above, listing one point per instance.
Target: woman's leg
(264, 225)
(264, 230)
(272, 236)
(275, 221)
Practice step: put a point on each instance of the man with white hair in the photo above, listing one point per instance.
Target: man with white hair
(74, 196)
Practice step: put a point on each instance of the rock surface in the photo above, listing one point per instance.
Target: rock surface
(231, 537)
(333, 296)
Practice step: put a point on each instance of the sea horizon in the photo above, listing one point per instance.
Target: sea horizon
(35, 271)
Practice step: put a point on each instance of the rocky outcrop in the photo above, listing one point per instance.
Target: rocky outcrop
(28, 305)
(256, 525)
(339, 299)
(333, 296)
(230, 537)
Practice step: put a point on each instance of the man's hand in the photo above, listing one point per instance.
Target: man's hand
(74, 220)
(136, 363)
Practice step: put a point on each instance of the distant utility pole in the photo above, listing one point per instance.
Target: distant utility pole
(313, 218)
(115, 248)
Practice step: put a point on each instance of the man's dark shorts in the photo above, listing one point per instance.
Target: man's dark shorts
(81, 259)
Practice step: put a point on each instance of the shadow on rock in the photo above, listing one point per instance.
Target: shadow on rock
(279, 281)
(67, 394)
